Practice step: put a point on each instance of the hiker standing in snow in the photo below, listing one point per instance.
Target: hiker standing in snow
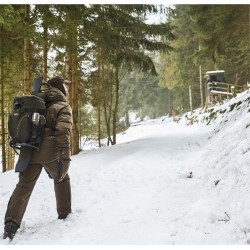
(53, 156)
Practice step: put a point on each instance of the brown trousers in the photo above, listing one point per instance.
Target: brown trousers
(19, 200)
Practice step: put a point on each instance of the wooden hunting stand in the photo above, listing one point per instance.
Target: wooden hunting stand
(217, 89)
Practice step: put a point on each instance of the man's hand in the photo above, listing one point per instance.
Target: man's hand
(63, 162)
(63, 167)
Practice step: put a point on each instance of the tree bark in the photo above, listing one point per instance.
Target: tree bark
(45, 50)
(4, 166)
(115, 112)
(201, 88)
(107, 115)
(74, 97)
(26, 55)
(99, 100)
(73, 76)
(190, 98)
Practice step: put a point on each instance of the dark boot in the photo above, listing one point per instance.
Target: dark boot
(62, 216)
(10, 230)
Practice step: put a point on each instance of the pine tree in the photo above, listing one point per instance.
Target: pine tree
(128, 38)
(10, 61)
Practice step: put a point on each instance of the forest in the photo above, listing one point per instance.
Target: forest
(120, 64)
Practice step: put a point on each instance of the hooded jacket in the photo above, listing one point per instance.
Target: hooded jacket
(57, 129)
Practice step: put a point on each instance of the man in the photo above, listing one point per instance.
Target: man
(53, 156)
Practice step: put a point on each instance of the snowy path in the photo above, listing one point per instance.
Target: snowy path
(141, 190)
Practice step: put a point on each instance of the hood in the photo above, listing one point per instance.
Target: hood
(54, 95)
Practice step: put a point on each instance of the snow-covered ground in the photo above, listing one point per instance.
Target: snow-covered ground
(163, 183)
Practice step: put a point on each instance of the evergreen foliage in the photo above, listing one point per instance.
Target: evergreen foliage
(117, 62)
(215, 37)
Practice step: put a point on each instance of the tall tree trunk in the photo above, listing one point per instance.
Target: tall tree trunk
(127, 120)
(115, 111)
(169, 104)
(26, 55)
(107, 115)
(190, 97)
(108, 104)
(99, 123)
(74, 97)
(68, 70)
(45, 49)
(10, 153)
(201, 88)
(99, 99)
(4, 166)
(72, 73)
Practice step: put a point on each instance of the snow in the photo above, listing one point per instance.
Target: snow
(164, 183)
(215, 71)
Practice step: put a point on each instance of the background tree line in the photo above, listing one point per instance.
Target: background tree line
(208, 37)
(117, 62)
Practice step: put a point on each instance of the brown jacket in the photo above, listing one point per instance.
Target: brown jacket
(57, 128)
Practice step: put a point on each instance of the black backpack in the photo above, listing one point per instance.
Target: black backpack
(27, 120)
